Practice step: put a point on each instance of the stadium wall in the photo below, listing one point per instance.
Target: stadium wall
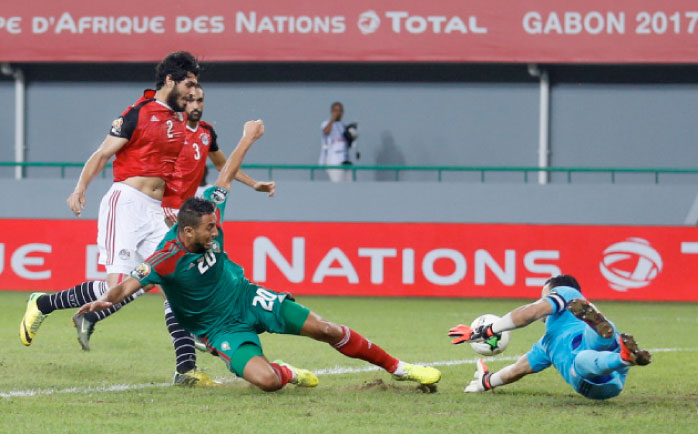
(453, 202)
(478, 116)
(7, 123)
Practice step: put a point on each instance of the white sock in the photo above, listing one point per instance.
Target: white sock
(400, 371)
(99, 289)
(496, 380)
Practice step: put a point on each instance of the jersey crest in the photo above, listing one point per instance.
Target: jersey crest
(204, 138)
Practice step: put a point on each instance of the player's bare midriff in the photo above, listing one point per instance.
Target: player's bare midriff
(151, 186)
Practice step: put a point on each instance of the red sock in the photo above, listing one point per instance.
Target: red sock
(352, 344)
(283, 373)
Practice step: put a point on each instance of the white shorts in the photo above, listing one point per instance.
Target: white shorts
(129, 228)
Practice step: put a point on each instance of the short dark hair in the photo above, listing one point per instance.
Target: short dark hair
(336, 103)
(177, 65)
(192, 210)
(563, 280)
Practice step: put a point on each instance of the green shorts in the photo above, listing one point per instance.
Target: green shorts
(261, 310)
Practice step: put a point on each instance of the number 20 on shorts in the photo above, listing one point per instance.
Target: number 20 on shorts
(265, 299)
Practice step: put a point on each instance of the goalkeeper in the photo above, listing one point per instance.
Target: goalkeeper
(579, 341)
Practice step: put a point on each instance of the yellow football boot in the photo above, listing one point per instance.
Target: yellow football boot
(302, 377)
(31, 320)
(194, 378)
(419, 374)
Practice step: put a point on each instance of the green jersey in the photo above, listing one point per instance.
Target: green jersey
(204, 289)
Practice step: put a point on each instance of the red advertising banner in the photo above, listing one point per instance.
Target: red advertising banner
(396, 259)
(586, 31)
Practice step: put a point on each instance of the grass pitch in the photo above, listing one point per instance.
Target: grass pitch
(122, 384)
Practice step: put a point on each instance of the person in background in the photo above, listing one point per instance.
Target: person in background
(336, 141)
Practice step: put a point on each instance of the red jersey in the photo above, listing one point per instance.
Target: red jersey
(189, 166)
(156, 134)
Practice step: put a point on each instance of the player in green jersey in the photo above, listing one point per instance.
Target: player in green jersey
(212, 299)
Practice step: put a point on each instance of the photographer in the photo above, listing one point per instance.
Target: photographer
(336, 140)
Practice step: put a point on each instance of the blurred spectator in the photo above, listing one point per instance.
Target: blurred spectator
(336, 140)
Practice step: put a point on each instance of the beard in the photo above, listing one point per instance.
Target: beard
(198, 247)
(201, 245)
(173, 100)
(194, 115)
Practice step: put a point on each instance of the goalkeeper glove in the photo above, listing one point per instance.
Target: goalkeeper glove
(463, 333)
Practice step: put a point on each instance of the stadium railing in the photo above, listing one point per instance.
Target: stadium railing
(439, 171)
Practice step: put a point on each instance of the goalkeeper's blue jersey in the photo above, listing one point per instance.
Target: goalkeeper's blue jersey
(562, 338)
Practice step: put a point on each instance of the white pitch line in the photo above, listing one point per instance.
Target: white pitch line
(346, 370)
(338, 370)
(100, 389)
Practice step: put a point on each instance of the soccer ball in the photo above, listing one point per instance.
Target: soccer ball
(494, 345)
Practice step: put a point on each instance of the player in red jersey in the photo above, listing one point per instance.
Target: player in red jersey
(190, 166)
(200, 143)
(146, 141)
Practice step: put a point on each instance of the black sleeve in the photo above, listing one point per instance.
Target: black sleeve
(214, 145)
(124, 126)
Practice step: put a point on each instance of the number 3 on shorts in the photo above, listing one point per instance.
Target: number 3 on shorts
(265, 298)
